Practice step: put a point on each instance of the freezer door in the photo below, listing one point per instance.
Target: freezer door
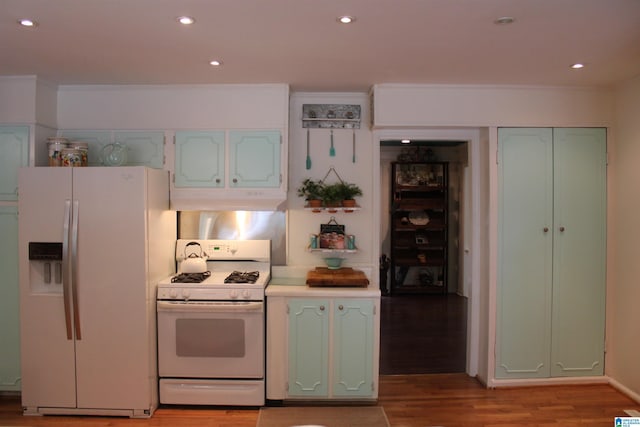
(47, 353)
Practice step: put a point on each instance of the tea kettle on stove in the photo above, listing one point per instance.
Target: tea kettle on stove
(194, 262)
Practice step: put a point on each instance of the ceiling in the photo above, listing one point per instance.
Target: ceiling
(300, 42)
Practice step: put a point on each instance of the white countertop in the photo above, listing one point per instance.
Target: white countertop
(298, 288)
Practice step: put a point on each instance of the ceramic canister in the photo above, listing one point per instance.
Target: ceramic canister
(83, 147)
(55, 146)
(71, 157)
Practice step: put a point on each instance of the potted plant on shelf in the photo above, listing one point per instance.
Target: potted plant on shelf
(348, 193)
(332, 196)
(312, 191)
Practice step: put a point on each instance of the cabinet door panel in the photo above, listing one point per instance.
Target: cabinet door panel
(579, 252)
(254, 159)
(308, 347)
(352, 347)
(9, 301)
(143, 148)
(199, 159)
(524, 253)
(14, 153)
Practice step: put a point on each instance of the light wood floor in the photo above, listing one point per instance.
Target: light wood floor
(451, 400)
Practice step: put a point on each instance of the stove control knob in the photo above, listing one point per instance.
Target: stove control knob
(233, 294)
(246, 294)
(186, 294)
(173, 294)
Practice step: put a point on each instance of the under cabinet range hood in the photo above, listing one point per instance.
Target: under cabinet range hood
(198, 199)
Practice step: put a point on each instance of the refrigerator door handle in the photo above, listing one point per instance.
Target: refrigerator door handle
(66, 290)
(74, 269)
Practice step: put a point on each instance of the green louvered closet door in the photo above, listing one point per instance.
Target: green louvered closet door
(552, 249)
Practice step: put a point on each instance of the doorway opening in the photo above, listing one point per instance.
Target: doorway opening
(423, 332)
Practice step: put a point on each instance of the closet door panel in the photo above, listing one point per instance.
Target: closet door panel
(579, 252)
(525, 253)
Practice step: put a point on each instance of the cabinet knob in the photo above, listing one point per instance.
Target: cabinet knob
(546, 229)
(561, 229)
(322, 308)
(217, 180)
(235, 180)
(340, 307)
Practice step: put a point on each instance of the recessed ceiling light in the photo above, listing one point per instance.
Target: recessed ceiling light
(504, 20)
(185, 20)
(406, 141)
(346, 19)
(27, 23)
(577, 66)
(215, 63)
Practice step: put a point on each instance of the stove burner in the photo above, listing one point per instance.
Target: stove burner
(242, 277)
(190, 277)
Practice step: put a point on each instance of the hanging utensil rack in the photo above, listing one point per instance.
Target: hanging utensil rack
(331, 116)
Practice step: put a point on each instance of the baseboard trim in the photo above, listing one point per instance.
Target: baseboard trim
(528, 382)
(624, 390)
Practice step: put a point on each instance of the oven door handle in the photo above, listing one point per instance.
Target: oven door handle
(211, 307)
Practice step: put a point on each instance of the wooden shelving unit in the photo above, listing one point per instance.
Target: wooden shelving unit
(419, 235)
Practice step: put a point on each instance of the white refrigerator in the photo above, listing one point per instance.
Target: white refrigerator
(93, 242)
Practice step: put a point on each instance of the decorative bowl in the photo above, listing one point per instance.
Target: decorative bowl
(333, 263)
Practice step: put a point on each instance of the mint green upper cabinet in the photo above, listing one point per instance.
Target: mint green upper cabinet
(353, 324)
(14, 153)
(254, 159)
(96, 139)
(10, 378)
(552, 252)
(199, 159)
(308, 347)
(144, 148)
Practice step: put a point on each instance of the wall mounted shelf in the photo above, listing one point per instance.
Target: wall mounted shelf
(333, 116)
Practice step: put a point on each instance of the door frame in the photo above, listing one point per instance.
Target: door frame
(478, 146)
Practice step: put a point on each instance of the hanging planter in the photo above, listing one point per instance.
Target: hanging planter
(332, 197)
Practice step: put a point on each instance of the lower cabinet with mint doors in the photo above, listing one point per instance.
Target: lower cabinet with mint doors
(330, 349)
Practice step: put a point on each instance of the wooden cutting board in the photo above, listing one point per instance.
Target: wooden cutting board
(345, 277)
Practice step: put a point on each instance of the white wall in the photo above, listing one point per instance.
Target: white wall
(173, 107)
(18, 99)
(482, 106)
(622, 361)
(302, 222)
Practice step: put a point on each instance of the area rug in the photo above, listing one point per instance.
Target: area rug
(323, 416)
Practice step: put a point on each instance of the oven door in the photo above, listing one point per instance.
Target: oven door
(198, 339)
